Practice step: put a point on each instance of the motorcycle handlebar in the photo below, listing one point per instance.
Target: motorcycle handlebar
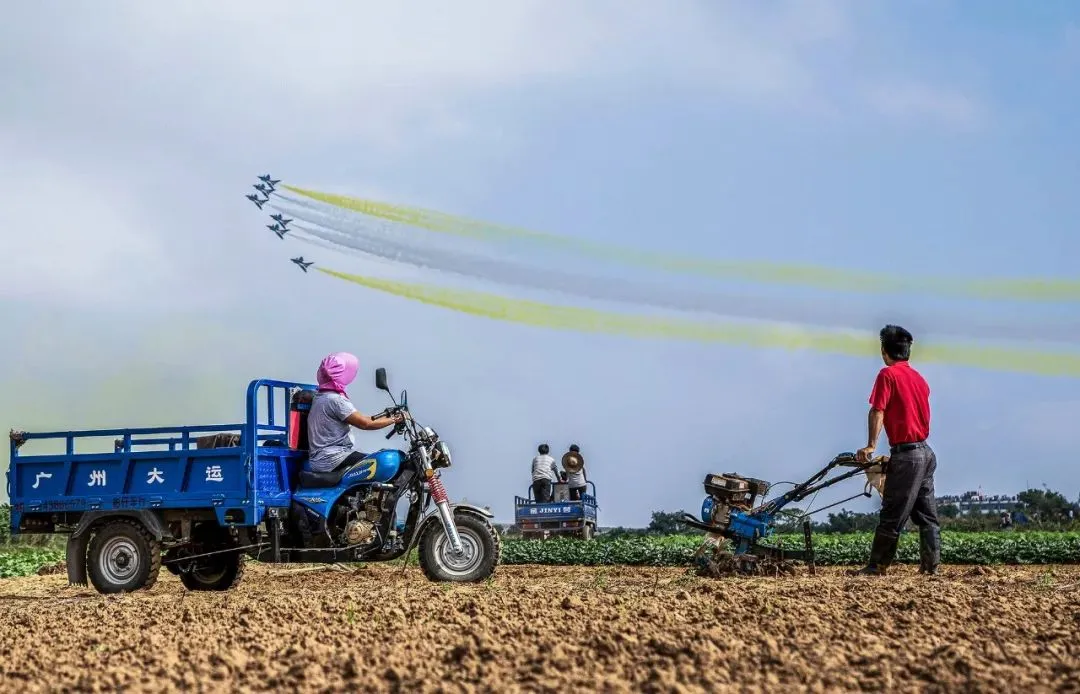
(390, 412)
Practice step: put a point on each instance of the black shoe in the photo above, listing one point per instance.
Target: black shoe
(929, 550)
(881, 555)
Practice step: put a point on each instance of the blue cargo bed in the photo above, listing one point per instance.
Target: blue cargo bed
(235, 470)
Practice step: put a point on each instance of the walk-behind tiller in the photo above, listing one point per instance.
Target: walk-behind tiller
(734, 526)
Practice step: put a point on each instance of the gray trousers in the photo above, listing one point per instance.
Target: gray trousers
(909, 492)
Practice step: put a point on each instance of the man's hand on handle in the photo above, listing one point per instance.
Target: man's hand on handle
(864, 455)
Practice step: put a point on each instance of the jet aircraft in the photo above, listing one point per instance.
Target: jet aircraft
(255, 199)
(280, 219)
(300, 261)
(269, 181)
(280, 231)
(263, 189)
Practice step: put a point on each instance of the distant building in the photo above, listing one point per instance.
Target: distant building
(977, 502)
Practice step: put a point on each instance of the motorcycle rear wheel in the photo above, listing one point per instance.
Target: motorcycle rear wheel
(476, 563)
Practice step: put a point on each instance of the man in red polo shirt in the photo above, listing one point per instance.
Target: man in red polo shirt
(900, 402)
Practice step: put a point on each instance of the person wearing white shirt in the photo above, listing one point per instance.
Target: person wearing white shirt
(576, 481)
(544, 474)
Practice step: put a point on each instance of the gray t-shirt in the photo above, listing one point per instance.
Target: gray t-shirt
(576, 479)
(543, 468)
(329, 436)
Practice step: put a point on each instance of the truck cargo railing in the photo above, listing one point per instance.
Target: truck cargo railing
(586, 498)
(234, 461)
(527, 509)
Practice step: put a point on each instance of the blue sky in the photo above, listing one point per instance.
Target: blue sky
(938, 137)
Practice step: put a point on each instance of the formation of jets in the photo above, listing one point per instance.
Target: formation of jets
(266, 186)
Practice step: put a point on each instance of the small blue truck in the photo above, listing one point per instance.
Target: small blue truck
(559, 517)
(199, 499)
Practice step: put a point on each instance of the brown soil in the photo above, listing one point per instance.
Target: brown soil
(551, 629)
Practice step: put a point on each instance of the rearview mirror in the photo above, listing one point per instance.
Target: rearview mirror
(380, 379)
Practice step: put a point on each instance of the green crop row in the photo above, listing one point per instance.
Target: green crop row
(677, 550)
(848, 549)
(25, 561)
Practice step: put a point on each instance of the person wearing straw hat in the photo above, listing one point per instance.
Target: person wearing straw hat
(577, 480)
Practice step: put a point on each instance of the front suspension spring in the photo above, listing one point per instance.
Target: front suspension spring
(438, 491)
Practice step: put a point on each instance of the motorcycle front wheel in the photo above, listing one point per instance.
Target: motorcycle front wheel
(479, 556)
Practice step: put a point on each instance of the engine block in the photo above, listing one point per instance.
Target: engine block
(729, 492)
(735, 490)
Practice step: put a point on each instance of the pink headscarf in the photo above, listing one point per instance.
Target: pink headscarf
(337, 371)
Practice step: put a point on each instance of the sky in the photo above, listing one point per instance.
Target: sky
(924, 137)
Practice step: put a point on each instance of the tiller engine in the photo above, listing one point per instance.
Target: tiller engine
(735, 526)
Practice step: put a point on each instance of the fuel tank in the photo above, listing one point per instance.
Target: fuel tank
(380, 466)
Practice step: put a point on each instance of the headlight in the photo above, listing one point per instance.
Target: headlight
(442, 455)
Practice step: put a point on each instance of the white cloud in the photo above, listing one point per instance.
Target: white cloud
(69, 233)
(143, 113)
(908, 101)
(397, 75)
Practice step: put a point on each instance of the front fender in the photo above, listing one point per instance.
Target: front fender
(433, 515)
(470, 507)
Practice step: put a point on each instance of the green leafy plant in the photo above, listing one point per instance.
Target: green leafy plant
(26, 561)
(677, 550)
(845, 549)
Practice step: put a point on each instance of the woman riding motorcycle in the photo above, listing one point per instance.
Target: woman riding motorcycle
(330, 443)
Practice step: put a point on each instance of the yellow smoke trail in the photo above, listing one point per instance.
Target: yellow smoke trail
(1025, 289)
(595, 321)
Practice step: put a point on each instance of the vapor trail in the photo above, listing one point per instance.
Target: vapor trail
(748, 335)
(1025, 289)
(819, 313)
(346, 222)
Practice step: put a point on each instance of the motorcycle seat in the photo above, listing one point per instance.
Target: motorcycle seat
(310, 479)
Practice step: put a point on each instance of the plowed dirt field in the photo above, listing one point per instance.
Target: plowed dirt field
(551, 629)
